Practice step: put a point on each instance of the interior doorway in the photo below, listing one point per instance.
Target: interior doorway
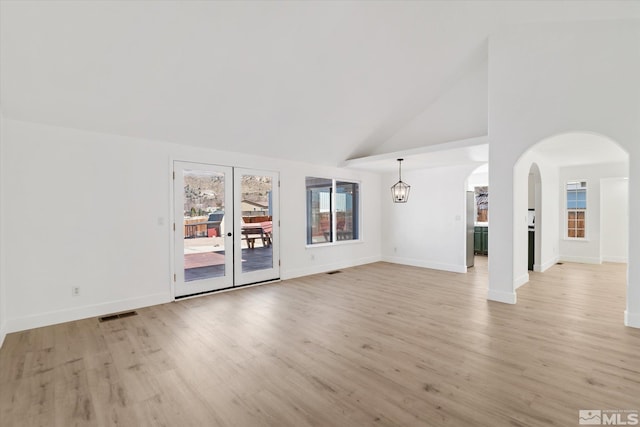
(534, 218)
(226, 223)
(581, 210)
(478, 224)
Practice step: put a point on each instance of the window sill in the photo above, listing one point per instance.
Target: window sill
(338, 243)
(576, 239)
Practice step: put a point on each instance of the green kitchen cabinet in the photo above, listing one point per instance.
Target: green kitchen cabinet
(481, 240)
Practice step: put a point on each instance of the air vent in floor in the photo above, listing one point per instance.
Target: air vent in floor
(117, 316)
(334, 272)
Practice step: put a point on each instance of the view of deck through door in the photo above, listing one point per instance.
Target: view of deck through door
(256, 244)
(225, 228)
(203, 196)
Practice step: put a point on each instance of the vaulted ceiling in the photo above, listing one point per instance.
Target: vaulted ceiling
(311, 81)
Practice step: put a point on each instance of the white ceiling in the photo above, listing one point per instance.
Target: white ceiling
(314, 81)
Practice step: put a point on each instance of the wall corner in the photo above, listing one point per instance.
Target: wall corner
(503, 297)
(631, 320)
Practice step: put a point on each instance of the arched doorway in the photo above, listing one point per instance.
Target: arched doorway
(560, 182)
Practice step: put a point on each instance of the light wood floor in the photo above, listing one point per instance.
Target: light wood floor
(381, 344)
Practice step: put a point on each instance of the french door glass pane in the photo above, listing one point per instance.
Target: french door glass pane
(257, 222)
(204, 244)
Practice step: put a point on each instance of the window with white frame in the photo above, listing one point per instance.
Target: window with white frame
(333, 212)
(576, 209)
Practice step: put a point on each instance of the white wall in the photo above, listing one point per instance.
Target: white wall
(3, 299)
(478, 178)
(587, 250)
(429, 230)
(83, 210)
(548, 79)
(531, 204)
(614, 219)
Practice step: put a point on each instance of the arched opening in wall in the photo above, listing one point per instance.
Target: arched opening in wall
(571, 190)
(477, 231)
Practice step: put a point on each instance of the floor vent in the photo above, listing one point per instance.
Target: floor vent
(559, 263)
(334, 272)
(117, 316)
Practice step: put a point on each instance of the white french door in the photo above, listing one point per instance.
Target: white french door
(256, 246)
(203, 222)
(225, 227)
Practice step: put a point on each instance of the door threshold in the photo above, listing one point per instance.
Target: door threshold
(230, 288)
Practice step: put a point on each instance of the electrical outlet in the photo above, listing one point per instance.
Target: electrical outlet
(75, 291)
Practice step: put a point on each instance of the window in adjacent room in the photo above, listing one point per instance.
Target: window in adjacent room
(482, 203)
(332, 210)
(576, 209)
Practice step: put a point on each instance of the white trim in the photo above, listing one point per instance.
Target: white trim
(77, 313)
(545, 266)
(300, 272)
(620, 259)
(632, 319)
(3, 263)
(581, 259)
(171, 231)
(520, 281)
(434, 265)
(503, 297)
(330, 244)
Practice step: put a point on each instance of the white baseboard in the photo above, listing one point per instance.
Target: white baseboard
(77, 313)
(426, 264)
(580, 259)
(632, 319)
(323, 268)
(545, 265)
(619, 259)
(501, 296)
(520, 281)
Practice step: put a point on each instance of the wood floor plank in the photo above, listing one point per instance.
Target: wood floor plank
(381, 344)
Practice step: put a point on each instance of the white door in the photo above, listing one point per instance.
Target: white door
(257, 242)
(203, 222)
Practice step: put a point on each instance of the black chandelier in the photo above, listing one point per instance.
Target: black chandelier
(400, 190)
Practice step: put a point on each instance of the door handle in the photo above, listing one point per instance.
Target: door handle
(229, 234)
